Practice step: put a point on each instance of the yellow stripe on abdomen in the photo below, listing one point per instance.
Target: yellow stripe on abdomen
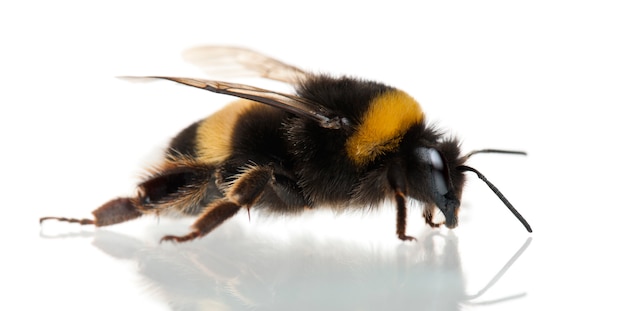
(387, 119)
(213, 140)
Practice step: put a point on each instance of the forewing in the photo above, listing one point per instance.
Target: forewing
(229, 61)
(290, 103)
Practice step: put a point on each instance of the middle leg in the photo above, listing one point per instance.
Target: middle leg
(245, 191)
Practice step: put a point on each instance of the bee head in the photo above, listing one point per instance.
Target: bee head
(444, 183)
(445, 178)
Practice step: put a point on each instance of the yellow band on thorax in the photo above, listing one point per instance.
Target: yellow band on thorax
(387, 119)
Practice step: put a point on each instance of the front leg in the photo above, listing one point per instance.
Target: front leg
(246, 190)
(429, 213)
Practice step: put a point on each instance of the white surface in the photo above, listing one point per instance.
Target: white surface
(543, 76)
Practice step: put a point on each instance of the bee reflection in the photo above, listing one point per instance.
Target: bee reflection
(235, 270)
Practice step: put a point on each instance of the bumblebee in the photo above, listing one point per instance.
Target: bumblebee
(338, 142)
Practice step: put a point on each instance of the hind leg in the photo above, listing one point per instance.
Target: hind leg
(178, 186)
(113, 212)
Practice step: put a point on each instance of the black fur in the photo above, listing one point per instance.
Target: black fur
(185, 142)
(312, 162)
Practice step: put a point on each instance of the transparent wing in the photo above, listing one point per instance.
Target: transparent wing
(229, 61)
(291, 103)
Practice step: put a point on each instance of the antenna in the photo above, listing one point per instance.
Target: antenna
(464, 168)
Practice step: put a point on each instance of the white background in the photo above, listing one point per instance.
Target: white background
(547, 77)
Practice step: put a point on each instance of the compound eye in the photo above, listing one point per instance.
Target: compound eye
(438, 168)
(435, 159)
